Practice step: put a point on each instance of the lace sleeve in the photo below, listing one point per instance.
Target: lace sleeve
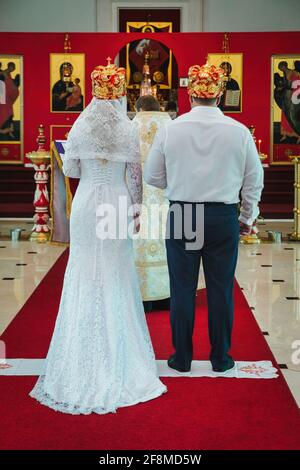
(71, 168)
(135, 182)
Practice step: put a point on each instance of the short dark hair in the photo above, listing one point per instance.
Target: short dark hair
(226, 66)
(204, 101)
(283, 63)
(297, 65)
(147, 103)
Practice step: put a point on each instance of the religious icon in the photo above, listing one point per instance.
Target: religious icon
(285, 108)
(67, 73)
(11, 109)
(160, 62)
(232, 64)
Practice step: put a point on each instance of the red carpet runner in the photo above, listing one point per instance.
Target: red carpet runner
(197, 413)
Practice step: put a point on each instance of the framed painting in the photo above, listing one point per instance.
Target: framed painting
(285, 108)
(231, 101)
(67, 83)
(11, 109)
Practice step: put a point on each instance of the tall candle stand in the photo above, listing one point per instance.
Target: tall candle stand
(41, 164)
(295, 236)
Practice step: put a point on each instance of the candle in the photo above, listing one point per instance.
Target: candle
(259, 142)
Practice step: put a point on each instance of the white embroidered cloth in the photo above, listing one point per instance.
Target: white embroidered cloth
(149, 246)
(242, 369)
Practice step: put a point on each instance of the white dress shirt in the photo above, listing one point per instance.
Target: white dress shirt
(205, 156)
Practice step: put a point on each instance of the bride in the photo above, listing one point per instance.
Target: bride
(101, 357)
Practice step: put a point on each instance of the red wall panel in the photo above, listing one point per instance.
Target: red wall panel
(188, 48)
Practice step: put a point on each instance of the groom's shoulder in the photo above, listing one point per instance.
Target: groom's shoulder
(182, 117)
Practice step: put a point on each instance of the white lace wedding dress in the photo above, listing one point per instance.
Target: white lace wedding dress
(100, 357)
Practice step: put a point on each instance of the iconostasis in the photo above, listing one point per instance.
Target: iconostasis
(45, 79)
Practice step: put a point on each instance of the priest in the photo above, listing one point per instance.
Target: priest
(150, 254)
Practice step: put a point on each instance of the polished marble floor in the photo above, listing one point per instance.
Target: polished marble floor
(269, 274)
(23, 265)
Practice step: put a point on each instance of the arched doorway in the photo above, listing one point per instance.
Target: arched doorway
(147, 59)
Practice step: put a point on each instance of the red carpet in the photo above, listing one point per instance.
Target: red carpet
(198, 413)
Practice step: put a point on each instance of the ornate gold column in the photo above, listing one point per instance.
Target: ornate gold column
(41, 164)
(253, 238)
(296, 233)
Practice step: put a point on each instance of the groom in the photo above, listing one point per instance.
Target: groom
(203, 159)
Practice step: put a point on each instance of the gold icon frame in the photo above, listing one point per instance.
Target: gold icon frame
(78, 61)
(5, 58)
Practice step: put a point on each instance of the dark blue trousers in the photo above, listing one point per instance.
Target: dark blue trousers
(219, 257)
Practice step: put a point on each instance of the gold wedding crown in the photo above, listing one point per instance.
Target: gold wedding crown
(108, 81)
(206, 81)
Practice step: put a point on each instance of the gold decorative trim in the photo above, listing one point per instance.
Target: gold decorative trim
(83, 87)
(146, 264)
(21, 141)
(54, 154)
(140, 24)
(51, 189)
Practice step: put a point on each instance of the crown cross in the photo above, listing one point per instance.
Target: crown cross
(108, 60)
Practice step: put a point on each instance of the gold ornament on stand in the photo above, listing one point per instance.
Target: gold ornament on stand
(262, 156)
(41, 164)
(252, 238)
(146, 88)
(295, 236)
(225, 60)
